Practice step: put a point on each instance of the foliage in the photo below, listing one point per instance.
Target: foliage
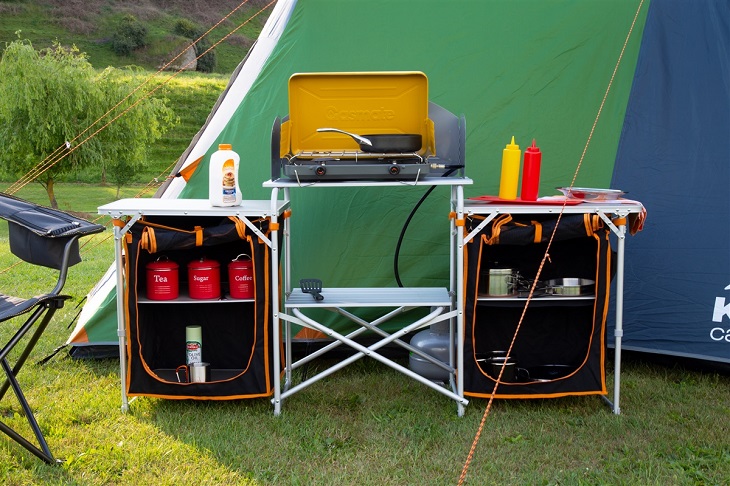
(130, 35)
(207, 62)
(52, 112)
(186, 28)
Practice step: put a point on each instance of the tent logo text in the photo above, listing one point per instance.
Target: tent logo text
(721, 310)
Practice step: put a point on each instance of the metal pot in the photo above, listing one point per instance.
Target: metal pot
(570, 286)
(384, 143)
(549, 372)
(501, 282)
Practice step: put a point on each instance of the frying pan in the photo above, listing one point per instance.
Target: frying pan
(384, 143)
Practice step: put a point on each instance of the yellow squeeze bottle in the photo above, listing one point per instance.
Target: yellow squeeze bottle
(508, 182)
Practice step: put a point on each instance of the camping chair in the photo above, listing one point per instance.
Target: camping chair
(46, 237)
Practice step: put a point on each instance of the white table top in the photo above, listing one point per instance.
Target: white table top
(618, 206)
(372, 297)
(187, 207)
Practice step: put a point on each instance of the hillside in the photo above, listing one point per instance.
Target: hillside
(91, 24)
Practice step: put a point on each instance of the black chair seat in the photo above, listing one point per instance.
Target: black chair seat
(49, 238)
(14, 306)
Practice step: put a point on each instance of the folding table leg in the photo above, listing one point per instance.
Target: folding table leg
(371, 352)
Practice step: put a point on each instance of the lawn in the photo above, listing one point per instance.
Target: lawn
(366, 424)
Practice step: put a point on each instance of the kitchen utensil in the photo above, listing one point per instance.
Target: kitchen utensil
(501, 282)
(199, 372)
(193, 373)
(496, 364)
(312, 286)
(570, 286)
(383, 143)
(549, 371)
(592, 194)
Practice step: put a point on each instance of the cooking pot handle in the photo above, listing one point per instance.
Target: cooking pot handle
(358, 138)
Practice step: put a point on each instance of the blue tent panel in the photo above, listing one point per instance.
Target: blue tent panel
(674, 156)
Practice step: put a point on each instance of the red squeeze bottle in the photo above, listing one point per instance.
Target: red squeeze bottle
(531, 173)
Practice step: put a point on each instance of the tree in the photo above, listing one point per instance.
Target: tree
(49, 98)
(130, 34)
(121, 172)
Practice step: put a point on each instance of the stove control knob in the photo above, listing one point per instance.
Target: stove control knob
(320, 171)
(394, 170)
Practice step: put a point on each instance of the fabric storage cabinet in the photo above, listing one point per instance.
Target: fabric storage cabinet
(236, 336)
(560, 348)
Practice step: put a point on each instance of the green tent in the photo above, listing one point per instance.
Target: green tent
(532, 69)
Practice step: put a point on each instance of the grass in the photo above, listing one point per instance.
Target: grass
(365, 424)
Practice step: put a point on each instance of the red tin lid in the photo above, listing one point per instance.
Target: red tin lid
(203, 264)
(162, 265)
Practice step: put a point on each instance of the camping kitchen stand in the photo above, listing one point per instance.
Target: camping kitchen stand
(306, 155)
(125, 214)
(614, 214)
(443, 304)
(49, 238)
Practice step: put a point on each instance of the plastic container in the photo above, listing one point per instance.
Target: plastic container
(223, 189)
(510, 177)
(531, 173)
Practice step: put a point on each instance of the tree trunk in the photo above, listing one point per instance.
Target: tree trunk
(51, 196)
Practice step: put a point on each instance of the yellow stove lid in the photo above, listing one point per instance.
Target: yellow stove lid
(365, 103)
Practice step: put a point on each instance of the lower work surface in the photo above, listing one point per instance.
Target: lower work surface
(372, 297)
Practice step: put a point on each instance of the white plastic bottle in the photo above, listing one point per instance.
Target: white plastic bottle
(223, 189)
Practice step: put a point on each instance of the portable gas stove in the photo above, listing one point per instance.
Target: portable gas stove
(356, 166)
(381, 103)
